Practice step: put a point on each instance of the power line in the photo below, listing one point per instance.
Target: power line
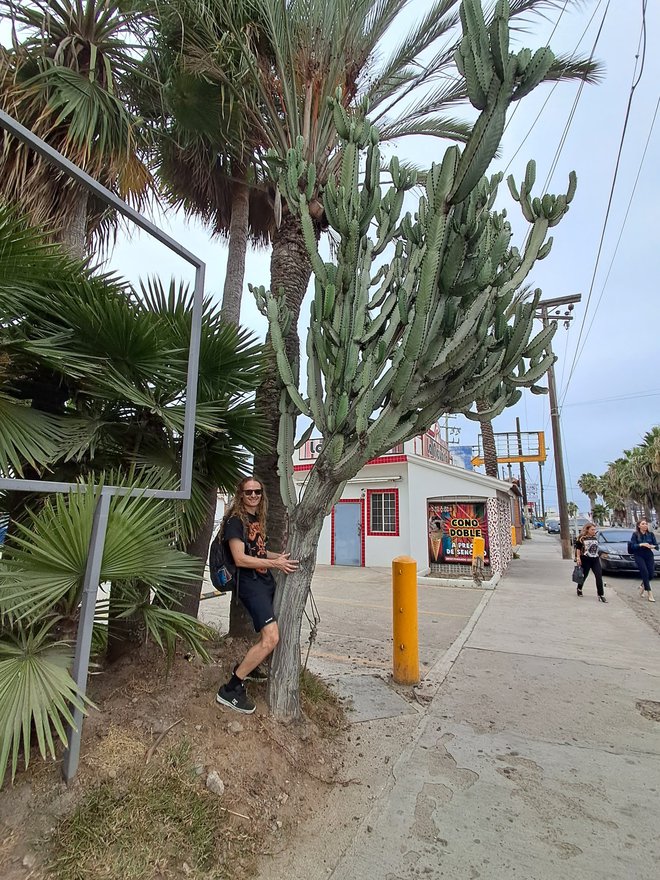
(571, 115)
(623, 226)
(612, 188)
(614, 399)
(517, 107)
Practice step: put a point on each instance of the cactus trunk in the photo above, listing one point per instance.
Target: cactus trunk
(292, 592)
(416, 321)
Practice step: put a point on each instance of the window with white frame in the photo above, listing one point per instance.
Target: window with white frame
(383, 512)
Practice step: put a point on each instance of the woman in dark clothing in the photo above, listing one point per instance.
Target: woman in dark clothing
(642, 544)
(244, 530)
(586, 555)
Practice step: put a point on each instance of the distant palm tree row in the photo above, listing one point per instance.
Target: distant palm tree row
(630, 487)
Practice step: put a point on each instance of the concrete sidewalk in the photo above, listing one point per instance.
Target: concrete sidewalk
(537, 755)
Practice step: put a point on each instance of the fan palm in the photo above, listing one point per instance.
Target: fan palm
(66, 79)
(590, 485)
(41, 579)
(316, 50)
(96, 378)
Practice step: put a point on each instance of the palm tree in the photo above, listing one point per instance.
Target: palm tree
(614, 491)
(316, 50)
(599, 513)
(41, 579)
(66, 78)
(652, 443)
(55, 318)
(95, 380)
(206, 153)
(590, 485)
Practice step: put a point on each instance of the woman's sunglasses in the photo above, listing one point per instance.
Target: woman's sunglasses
(252, 491)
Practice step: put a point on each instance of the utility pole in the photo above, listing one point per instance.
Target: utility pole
(541, 489)
(448, 416)
(523, 481)
(546, 307)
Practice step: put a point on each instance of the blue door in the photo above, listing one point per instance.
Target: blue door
(348, 533)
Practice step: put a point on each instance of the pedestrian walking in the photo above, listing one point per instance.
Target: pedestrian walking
(586, 555)
(245, 534)
(641, 545)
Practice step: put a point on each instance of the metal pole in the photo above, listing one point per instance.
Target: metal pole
(523, 483)
(559, 460)
(541, 489)
(85, 628)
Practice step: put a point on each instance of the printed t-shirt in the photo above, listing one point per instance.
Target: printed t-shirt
(588, 547)
(255, 545)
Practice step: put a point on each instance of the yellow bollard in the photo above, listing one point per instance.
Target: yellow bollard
(405, 651)
(513, 536)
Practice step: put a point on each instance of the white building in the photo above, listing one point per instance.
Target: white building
(414, 502)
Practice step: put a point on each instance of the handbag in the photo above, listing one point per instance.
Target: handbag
(578, 575)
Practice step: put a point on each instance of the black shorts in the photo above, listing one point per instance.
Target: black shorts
(257, 596)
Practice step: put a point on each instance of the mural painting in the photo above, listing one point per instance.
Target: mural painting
(452, 526)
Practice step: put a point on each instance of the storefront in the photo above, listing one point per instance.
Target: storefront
(415, 502)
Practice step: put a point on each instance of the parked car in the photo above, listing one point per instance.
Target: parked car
(613, 551)
(552, 526)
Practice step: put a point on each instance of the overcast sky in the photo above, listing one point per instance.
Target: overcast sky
(610, 394)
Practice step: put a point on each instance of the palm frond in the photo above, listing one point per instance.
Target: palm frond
(27, 437)
(43, 564)
(37, 693)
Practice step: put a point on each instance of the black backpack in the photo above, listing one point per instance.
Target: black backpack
(222, 568)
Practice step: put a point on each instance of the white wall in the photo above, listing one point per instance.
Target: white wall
(378, 551)
(419, 480)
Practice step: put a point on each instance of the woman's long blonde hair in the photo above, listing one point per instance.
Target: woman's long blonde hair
(237, 507)
(585, 528)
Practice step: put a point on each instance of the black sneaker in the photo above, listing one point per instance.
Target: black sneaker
(258, 675)
(237, 699)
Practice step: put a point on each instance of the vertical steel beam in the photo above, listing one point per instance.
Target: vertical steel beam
(85, 627)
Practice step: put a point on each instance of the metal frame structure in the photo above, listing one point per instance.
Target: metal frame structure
(515, 448)
(97, 540)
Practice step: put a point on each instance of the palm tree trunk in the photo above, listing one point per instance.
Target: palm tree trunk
(488, 439)
(290, 271)
(126, 635)
(238, 242)
(199, 546)
(73, 234)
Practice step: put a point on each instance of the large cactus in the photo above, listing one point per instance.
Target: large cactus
(434, 327)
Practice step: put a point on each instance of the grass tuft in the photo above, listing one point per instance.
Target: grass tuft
(321, 704)
(142, 827)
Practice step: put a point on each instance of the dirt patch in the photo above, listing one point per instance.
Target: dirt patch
(649, 709)
(149, 747)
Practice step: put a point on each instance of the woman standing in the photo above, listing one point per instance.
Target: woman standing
(642, 544)
(244, 530)
(586, 555)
